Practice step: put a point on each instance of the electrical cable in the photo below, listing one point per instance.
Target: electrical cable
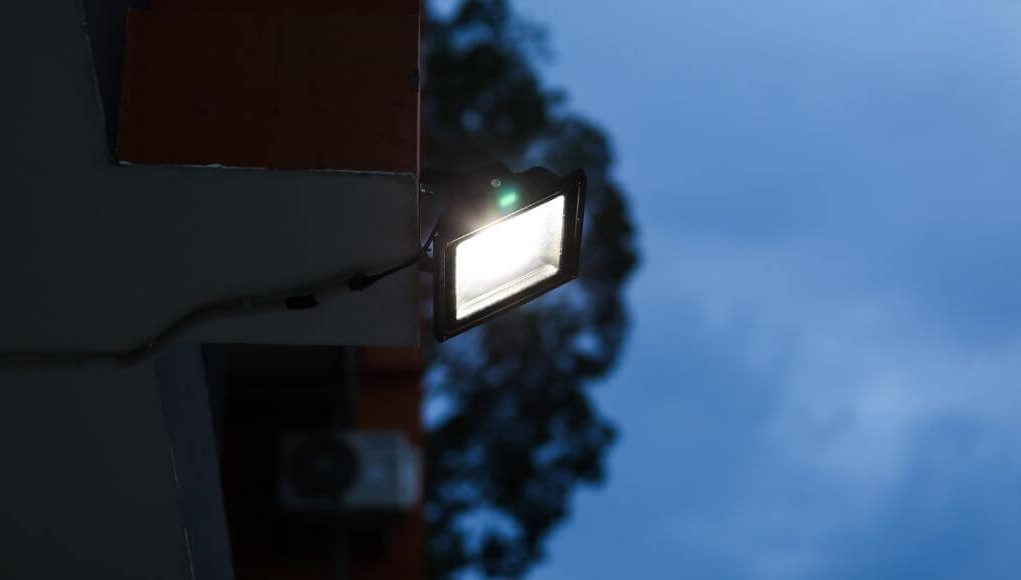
(301, 298)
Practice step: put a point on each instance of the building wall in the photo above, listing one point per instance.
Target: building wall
(313, 84)
(99, 256)
(273, 392)
(113, 254)
(87, 482)
(390, 397)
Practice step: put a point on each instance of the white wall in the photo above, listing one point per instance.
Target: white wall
(86, 479)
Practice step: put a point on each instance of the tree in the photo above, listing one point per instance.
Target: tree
(519, 433)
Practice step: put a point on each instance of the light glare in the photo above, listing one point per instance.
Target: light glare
(508, 257)
(508, 200)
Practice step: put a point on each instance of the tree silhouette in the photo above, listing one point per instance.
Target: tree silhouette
(517, 432)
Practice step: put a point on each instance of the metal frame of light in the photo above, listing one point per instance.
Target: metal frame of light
(479, 210)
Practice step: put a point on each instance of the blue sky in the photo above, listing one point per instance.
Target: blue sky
(823, 376)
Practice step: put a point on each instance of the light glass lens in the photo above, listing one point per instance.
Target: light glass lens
(507, 258)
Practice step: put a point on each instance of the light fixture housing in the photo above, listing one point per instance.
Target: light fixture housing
(506, 239)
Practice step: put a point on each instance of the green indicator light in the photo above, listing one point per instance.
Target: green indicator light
(508, 200)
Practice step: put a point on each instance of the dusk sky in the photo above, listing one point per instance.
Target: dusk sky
(822, 376)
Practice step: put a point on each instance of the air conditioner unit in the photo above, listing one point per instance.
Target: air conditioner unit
(352, 471)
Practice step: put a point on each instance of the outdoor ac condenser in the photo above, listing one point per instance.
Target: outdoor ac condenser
(352, 471)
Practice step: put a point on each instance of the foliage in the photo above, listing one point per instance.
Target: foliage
(519, 433)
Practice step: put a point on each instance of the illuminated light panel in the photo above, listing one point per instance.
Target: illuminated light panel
(508, 257)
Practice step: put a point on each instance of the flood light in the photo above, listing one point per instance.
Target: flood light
(512, 239)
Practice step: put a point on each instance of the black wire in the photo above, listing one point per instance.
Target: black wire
(360, 282)
(302, 299)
